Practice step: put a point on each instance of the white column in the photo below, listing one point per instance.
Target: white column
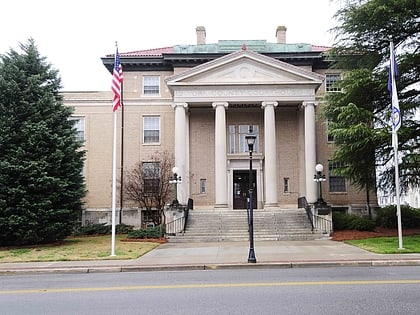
(220, 163)
(310, 151)
(270, 155)
(181, 148)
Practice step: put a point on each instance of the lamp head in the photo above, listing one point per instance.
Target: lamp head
(319, 168)
(250, 140)
(175, 170)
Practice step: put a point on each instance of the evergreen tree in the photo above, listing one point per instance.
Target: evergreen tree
(359, 115)
(41, 162)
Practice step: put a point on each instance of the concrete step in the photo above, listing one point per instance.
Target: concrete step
(232, 225)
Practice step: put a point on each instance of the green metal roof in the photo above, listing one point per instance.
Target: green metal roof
(226, 46)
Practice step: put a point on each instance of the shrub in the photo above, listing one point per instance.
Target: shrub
(123, 228)
(155, 232)
(387, 217)
(102, 229)
(344, 221)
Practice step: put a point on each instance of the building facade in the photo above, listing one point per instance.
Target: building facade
(199, 102)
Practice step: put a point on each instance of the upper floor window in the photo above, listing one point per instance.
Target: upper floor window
(151, 85)
(330, 82)
(337, 183)
(79, 125)
(237, 141)
(151, 129)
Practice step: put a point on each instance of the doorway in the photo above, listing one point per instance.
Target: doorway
(241, 189)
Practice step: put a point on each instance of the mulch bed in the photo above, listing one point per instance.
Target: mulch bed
(140, 240)
(378, 232)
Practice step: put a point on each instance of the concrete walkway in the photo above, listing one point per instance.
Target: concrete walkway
(269, 254)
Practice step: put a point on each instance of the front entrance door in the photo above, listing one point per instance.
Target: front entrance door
(241, 189)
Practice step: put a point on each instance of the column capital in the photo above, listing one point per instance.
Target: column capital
(224, 104)
(309, 103)
(269, 103)
(174, 105)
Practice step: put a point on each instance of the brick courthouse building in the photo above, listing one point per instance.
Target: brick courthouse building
(198, 102)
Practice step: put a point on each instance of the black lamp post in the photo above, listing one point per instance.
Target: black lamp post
(250, 139)
(175, 179)
(319, 177)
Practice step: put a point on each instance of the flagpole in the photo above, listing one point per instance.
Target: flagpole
(114, 183)
(397, 189)
(396, 121)
(117, 78)
(122, 156)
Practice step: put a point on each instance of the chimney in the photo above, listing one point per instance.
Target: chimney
(281, 34)
(201, 35)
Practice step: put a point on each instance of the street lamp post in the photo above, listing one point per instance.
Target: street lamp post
(319, 177)
(250, 139)
(175, 179)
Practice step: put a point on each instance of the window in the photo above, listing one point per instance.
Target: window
(237, 135)
(151, 85)
(232, 142)
(79, 125)
(151, 177)
(330, 137)
(330, 82)
(336, 183)
(286, 182)
(151, 129)
(202, 186)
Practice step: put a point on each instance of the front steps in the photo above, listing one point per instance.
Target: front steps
(232, 225)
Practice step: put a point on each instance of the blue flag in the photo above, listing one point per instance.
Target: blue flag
(392, 88)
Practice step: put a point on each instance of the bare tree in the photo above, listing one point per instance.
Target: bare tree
(147, 185)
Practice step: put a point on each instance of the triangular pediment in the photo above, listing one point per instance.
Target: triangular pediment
(245, 67)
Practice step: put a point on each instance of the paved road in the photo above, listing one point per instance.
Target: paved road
(355, 290)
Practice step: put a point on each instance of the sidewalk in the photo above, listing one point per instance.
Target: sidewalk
(201, 256)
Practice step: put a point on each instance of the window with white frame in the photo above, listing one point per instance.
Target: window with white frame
(286, 184)
(237, 141)
(151, 129)
(232, 135)
(331, 80)
(330, 137)
(151, 177)
(151, 85)
(203, 186)
(337, 183)
(79, 125)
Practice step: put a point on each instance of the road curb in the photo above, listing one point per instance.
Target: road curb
(226, 266)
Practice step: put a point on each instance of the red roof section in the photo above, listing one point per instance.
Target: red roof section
(320, 48)
(146, 52)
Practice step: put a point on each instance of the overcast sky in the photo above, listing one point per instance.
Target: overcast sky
(75, 34)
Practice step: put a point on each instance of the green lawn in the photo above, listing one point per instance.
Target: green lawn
(78, 248)
(388, 245)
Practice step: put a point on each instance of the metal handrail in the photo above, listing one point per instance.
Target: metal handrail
(310, 216)
(323, 224)
(303, 203)
(179, 225)
(317, 222)
(175, 226)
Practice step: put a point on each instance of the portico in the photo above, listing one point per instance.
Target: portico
(216, 101)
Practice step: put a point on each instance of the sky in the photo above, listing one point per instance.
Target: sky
(74, 34)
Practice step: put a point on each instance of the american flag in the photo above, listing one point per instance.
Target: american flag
(117, 78)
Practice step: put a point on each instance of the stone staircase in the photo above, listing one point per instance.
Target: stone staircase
(232, 225)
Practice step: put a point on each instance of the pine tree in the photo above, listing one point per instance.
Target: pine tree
(41, 161)
(359, 115)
